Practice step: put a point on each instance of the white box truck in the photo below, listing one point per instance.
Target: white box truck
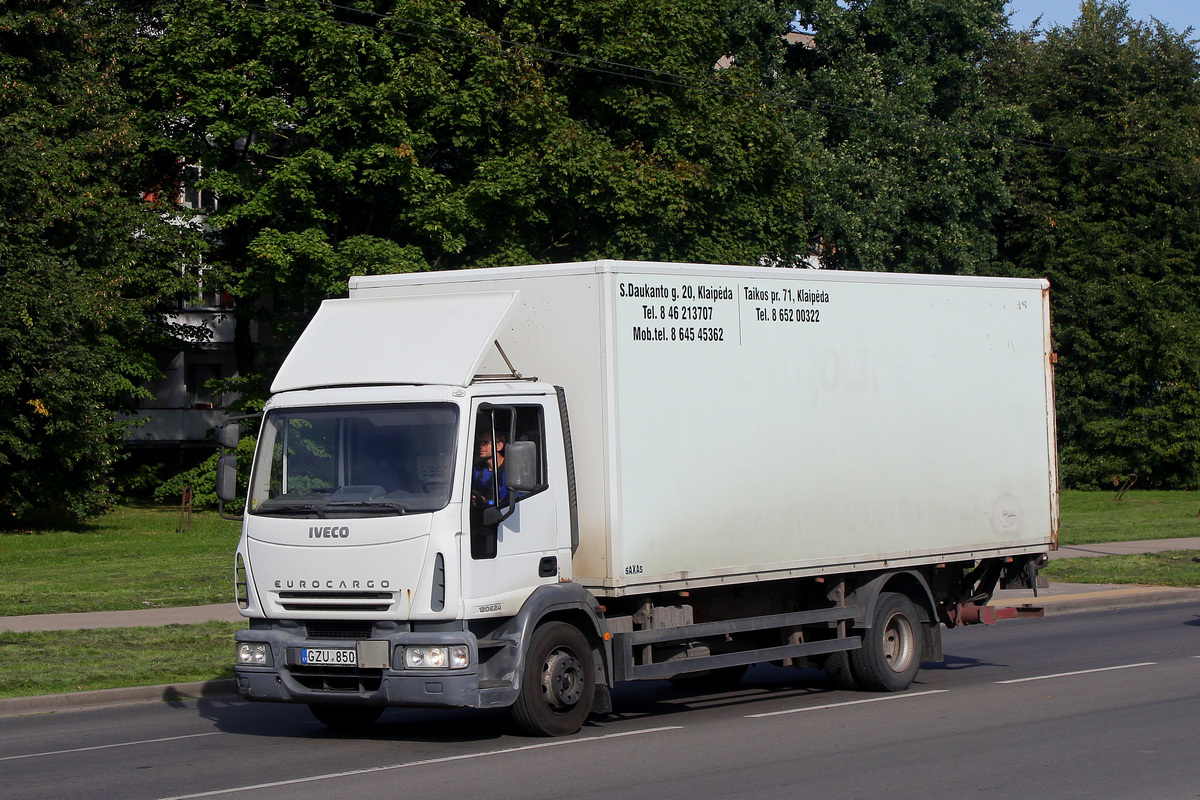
(516, 487)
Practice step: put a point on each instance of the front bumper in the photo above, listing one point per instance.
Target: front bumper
(287, 681)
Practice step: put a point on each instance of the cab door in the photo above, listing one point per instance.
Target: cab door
(510, 537)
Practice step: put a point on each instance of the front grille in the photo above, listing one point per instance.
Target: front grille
(338, 629)
(337, 679)
(335, 601)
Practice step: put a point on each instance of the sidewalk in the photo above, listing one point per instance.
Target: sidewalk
(149, 617)
(1061, 598)
(1058, 598)
(1125, 548)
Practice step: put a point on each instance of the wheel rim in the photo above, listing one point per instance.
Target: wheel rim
(562, 679)
(898, 640)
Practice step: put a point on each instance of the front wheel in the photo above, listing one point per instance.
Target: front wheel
(890, 655)
(558, 682)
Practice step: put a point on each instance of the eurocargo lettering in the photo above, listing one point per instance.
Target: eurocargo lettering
(794, 467)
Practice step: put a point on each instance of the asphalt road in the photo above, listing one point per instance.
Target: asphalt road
(1095, 705)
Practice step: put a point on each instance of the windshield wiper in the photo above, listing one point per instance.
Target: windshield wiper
(395, 508)
(326, 509)
(295, 509)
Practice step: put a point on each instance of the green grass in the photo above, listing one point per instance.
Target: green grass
(53, 662)
(131, 558)
(1168, 568)
(1090, 517)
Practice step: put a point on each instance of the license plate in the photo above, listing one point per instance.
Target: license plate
(328, 655)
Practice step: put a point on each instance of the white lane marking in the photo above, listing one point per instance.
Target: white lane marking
(106, 746)
(424, 763)
(847, 703)
(1079, 672)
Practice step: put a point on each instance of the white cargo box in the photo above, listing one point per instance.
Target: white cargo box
(735, 424)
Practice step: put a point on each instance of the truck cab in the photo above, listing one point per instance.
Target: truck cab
(385, 527)
(403, 508)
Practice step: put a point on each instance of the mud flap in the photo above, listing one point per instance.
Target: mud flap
(932, 649)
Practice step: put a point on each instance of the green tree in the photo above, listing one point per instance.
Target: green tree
(83, 261)
(1109, 211)
(915, 146)
(416, 134)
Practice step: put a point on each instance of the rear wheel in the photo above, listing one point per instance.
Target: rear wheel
(890, 655)
(837, 667)
(345, 718)
(558, 683)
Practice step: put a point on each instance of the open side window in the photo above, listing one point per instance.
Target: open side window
(509, 466)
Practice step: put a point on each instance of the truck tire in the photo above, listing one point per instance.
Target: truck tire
(558, 682)
(891, 648)
(837, 667)
(345, 718)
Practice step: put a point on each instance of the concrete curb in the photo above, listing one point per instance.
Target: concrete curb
(1165, 596)
(108, 698)
(1094, 598)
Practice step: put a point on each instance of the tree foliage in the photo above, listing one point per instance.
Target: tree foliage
(373, 136)
(1110, 213)
(202, 479)
(410, 134)
(82, 260)
(915, 148)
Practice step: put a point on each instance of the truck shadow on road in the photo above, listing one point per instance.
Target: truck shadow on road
(280, 720)
(763, 687)
(761, 684)
(956, 663)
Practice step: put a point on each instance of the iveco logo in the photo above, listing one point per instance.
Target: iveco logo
(328, 533)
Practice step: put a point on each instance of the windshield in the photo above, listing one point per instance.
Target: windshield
(354, 461)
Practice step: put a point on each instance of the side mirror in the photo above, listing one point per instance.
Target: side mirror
(491, 517)
(227, 477)
(521, 467)
(227, 435)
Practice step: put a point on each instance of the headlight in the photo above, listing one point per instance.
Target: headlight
(437, 657)
(254, 654)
